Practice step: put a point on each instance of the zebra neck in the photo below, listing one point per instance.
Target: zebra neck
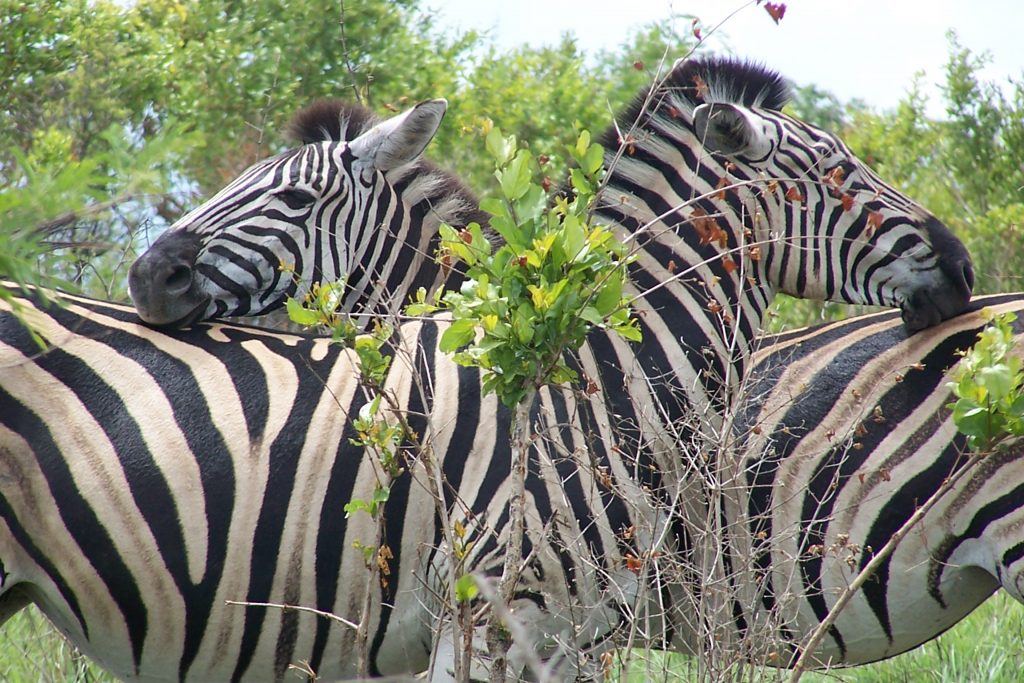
(383, 276)
(701, 312)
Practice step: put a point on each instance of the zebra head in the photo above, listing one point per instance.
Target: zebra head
(331, 208)
(791, 204)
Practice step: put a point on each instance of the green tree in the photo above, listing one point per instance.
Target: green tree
(94, 89)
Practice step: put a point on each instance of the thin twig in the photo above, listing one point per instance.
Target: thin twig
(347, 59)
(497, 643)
(297, 608)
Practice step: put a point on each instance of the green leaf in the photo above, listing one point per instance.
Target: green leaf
(590, 314)
(458, 334)
(515, 179)
(1016, 408)
(629, 331)
(582, 143)
(997, 380)
(500, 148)
(381, 495)
(575, 237)
(416, 310)
(466, 588)
(972, 420)
(494, 206)
(479, 244)
(592, 160)
(610, 296)
(533, 205)
(355, 506)
(538, 295)
(562, 374)
(300, 315)
(509, 231)
(579, 182)
(523, 324)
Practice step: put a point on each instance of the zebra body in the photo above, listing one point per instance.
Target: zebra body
(150, 602)
(170, 501)
(615, 489)
(853, 433)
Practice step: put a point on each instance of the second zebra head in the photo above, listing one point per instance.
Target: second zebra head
(355, 200)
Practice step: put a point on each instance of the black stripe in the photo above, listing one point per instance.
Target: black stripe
(17, 418)
(266, 552)
(331, 539)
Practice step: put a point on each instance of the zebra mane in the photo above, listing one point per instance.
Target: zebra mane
(698, 80)
(330, 119)
(422, 183)
(727, 79)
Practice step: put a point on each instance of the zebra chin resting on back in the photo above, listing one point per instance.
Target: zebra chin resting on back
(228, 470)
(354, 201)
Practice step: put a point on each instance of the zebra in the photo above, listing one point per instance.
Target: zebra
(156, 503)
(157, 611)
(845, 431)
(311, 214)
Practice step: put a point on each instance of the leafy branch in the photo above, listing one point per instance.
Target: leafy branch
(524, 304)
(987, 384)
(555, 278)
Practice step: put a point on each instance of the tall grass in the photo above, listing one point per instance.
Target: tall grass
(986, 647)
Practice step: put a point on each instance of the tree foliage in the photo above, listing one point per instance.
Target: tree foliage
(121, 114)
(97, 93)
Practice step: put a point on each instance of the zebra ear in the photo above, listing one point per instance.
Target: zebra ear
(400, 139)
(731, 130)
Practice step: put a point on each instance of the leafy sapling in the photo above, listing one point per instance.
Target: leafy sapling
(380, 430)
(555, 278)
(525, 305)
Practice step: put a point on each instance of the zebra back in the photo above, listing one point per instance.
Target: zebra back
(161, 474)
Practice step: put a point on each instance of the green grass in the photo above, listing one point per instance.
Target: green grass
(987, 647)
(32, 651)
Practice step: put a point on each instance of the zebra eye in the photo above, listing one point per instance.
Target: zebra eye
(295, 198)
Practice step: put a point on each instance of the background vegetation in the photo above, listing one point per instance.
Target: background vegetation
(118, 116)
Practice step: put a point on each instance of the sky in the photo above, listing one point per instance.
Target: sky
(866, 49)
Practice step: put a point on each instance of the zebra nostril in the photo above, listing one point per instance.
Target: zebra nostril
(179, 279)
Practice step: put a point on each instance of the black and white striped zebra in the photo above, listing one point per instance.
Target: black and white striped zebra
(246, 501)
(144, 463)
(354, 200)
(844, 432)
